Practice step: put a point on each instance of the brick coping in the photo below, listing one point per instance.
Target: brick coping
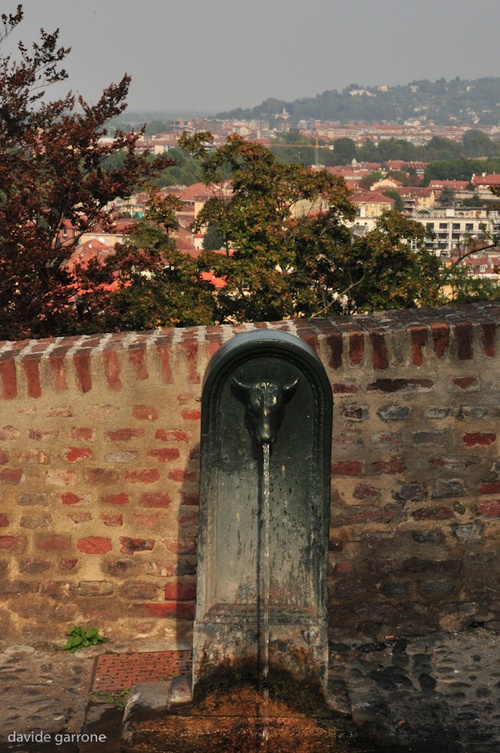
(32, 367)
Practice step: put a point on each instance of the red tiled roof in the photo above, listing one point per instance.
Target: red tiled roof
(414, 191)
(217, 282)
(394, 183)
(399, 164)
(201, 191)
(486, 180)
(84, 252)
(458, 185)
(120, 226)
(185, 247)
(371, 197)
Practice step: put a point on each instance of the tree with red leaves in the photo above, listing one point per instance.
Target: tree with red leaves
(53, 177)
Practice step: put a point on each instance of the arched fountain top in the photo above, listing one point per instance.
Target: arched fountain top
(274, 340)
(271, 343)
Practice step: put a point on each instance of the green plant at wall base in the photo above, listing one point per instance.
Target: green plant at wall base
(119, 700)
(81, 638)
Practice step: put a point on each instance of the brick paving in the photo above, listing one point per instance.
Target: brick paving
(116, 672)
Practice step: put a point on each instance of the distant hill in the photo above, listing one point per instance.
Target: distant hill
(454, 102)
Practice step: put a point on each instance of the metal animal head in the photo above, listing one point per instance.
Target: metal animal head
(265, 403)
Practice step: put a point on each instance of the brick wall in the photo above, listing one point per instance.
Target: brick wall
(99, 475)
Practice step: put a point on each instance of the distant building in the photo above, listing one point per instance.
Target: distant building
(456, 185)
(416, 198)
(455, 227)
(482, 185)
(85, 252)
(384, 184)
(361, 92)
(369, 207)
(418, 168)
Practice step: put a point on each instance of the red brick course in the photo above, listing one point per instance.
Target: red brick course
(8, 379)
(180, 592)
(78, 453)
(347, 468)
(142, 476)
(52, 541)
(11, 476)
(419, 337)
(31, 368)
(94, 545)
(117, 499)
(481, 439)
(145, 412)
(490, 509)
(165, 454)
(155, 499)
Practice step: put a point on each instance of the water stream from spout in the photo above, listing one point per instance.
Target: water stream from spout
(265, 585)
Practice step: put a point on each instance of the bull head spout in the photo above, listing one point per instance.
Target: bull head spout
(265, 402)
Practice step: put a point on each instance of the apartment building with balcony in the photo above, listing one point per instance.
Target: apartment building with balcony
(455, 227)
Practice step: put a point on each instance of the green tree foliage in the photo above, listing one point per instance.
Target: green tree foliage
(444, 149)
(389, 268)
(281, 247)
(213, 240)
(183, 172)
(288, 252)
(156, 126)
(293, 147)
(391, 193)
(400, 175)
(345, 151)
(368, 152)
(478, 144)
(367, 181)
(460, 169)
(396, 149)
(450, 159)
(446, 197)
(462, 287)
(147, 283)
(281, 262)
(459, 282)
(52, 176)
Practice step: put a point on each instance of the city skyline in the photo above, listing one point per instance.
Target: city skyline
(194, 57)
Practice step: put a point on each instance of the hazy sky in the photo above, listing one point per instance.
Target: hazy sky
(213, 55)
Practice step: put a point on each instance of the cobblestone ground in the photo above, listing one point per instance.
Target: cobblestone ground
(43, 691)
(437, 694)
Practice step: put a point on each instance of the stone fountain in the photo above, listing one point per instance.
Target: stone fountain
(264, 507)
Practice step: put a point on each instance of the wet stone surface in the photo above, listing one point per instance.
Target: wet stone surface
(435, 693)
(43, 691)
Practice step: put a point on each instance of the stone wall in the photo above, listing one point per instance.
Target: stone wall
(99, 442)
